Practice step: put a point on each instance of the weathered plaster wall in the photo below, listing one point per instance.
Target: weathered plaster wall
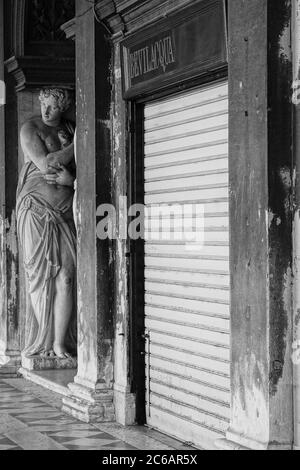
(248, 190)
(261, 231)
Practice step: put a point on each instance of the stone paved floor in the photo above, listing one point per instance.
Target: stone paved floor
(30, 419)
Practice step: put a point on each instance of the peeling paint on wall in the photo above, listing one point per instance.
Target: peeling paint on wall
(251, 396)
(271, 217)
(280, 197)
(12, 273)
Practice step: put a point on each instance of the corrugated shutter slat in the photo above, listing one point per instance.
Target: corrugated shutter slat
(187, 290)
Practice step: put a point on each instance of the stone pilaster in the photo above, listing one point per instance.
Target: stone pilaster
(261, 225)
(92, 391)
(9, 320)
(125, 401)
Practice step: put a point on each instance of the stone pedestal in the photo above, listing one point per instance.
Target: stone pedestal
(39, 363)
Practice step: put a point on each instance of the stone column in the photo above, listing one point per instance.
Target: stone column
(92, 391)
(260, 140)
(125, 401)
(9, 319)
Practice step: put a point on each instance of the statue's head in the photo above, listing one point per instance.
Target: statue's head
(54, 102)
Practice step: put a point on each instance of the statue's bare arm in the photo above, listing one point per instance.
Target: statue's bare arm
(33, 146)
(61, 157)
(35, 149)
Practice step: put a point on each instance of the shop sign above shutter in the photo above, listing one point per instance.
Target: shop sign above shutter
(178, 48)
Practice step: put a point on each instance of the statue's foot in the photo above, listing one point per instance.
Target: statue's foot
(60, 351)
(48, 354)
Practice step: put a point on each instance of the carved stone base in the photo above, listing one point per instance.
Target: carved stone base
(125, 406)
(41, 363)
(9, 367)
(88, 405)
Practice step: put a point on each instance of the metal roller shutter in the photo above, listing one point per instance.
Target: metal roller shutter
(187, 292)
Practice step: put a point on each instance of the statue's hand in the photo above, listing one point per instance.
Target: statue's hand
(65, 178)
(51, 178)
(53, 162)
(61, 177)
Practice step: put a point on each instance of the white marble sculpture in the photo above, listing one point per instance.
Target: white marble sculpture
(46, 228)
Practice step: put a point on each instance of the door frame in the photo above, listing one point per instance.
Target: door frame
(136, 284)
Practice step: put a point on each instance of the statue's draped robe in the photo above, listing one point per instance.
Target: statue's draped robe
(45, 228)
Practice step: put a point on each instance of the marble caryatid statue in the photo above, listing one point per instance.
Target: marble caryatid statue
(46, 227)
